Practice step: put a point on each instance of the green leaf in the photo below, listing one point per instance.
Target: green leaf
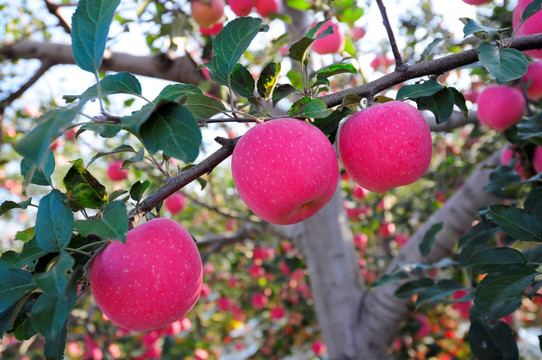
(300, 49)
(441, 104)
(200, 105)
(104, 130)
(230, 44)
(476, 239)
(500, 294)
(531, 9)
(517, 223)
(350, 15)
(414, 91)
(460, 102)
(427, 51)
(472, 27)
(282, 91)
(121, 83)
(268, 80)
(489, 342)
(40, 176)
(296, 79)
(499, 179)
(55, 347)
(54, 223)
(14, 284)
(299, 4)
(413, 287)
(112, 226)
(90, 26)
(117, 194)
(10, 205)
(83, 188)
(504, 64)
(242, 81)
(495, 260)
(389, 279)
(25, 235)
(176, 91)
(531, 129)
(50, 312)
(533, 203)
(54, 281)
(330, 124)
(14, 260)
(309, 107)
(35, 145)
(172, 129)
(429, 238)
(118, 149)
(335, 69)
(438, 291)
(138, 189)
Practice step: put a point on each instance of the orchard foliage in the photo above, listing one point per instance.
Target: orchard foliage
(256, 299)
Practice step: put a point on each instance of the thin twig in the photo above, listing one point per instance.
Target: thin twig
(53, 9)
(221, 210)
(399, 64)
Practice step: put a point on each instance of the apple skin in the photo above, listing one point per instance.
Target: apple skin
(385, 146)
(537, 159)
(114, 173)
(206, 15)
(213, 30)
(533, 25)
(285, 170)
(331, 44)
(476, 2)
(506, 156)
(266, 7)
(534, 77)
(152, 280)
(500, 107)
(175, 203)
(241, 7)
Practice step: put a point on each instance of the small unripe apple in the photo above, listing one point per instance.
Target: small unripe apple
(386, 146)
(175, 203)
(500, 107)
(114, 172)
(152, 280)
(532, 25)
(206, 15)
(266, 7)
(533, 80)
(330, 44)
(476, 2)
(285, 170)
(241, 7)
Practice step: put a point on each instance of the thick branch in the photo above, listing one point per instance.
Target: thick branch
(399, 64)
(181, 69)
(438, 66)
(182, 179)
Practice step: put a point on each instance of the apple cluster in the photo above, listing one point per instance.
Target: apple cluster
(286, 170)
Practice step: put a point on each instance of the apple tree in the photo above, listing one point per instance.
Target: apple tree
(415, 239)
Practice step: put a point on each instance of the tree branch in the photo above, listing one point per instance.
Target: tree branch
(223, 211)
(182, 179)
(54, 9)
(438, 66)
(399, 64)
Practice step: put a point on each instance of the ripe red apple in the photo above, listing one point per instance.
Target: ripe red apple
(70, 134)
(259, 301)
(533, 25)
(318, 347)
(385, 146)
(114, 172)
(537, 159)
(277, 313)
(500, 107)
(386, 229)
(206, 15)
(152, 280)
(506, 156)
(285, 170)
(213, 30)
(359, 192)
(330, 44)
(476, 2)
(533, 80)
(266, 7)
(241, 7)
(361, 240)
(175, 203)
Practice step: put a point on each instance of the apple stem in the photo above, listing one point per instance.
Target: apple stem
(399, 64)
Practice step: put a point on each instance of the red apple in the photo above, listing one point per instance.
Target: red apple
(506, 156)
(476, 2)
(70, 134)
(533, 25)
(330, 44)
(114, 172)
(386, 229)
(361, 240)
(285, 170)
(241, 7)
(385, 146)
(537, 159)
(259, 301)
(213, 30)
(533, 80)
(266, 7)
(358, 33)
(277, 313)
(318, 347)
(152, 280)
(359, 192)
(55, 145)
(175, 203)
(500, 107)
(206, 15)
